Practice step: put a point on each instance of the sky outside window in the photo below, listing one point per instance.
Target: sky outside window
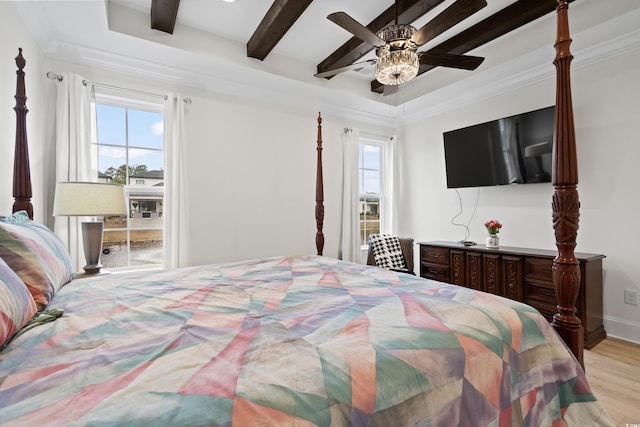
(145, 132)
(370, 169)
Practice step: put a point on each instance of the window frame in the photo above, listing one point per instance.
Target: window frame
(128, 103)
(383, 144)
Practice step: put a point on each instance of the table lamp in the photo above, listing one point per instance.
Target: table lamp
(90, 199)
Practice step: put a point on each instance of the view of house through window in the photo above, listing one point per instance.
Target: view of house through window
(129, 148)
(370, 184)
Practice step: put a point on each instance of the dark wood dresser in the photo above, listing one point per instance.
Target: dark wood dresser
(520, 274)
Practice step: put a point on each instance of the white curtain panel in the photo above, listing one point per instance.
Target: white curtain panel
(73, 154)
(175, 196)
(390, 183)
(350, 227)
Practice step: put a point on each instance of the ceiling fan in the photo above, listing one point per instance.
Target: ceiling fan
(398, 60)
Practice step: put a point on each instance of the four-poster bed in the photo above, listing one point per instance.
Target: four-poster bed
(305, 340)
(21, 169)
(566, 205)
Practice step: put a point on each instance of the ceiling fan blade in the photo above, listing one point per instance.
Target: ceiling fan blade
(355, 28)
(353, 66)
(451, 16)
(465, 62)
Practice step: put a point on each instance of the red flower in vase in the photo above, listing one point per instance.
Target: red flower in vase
(493, 226)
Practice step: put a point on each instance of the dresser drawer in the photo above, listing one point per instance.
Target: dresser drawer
(538, 268)
(434, 255)
(540, 291)
(544, 290)
(547, 310)
(435, 271)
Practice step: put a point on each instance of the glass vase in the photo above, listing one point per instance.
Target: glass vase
(493, 241)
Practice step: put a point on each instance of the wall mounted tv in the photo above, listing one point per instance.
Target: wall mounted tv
(511, 150)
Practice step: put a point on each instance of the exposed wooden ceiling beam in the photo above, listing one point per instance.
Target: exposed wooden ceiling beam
(163, 15)
(354, 48)
(500, 23)
(281, 16)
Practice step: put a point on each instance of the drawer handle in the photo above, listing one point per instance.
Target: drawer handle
(547, 270)
(434, 271)
(434, 255)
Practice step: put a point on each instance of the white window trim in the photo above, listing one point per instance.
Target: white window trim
(132, 103)
(384, 144)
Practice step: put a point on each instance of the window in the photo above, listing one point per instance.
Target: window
(129, 149)
(371, 177)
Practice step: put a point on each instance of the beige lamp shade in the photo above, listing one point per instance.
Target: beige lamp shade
(89, 199)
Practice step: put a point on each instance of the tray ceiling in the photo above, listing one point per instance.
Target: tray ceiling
(277, 47)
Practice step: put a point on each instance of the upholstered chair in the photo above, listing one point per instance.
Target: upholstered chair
(406, 246)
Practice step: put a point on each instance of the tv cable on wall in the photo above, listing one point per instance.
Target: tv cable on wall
(467, 233)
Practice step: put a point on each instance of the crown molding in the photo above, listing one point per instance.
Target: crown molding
(526, 70)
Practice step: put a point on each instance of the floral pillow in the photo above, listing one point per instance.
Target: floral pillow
(36, 254)
(16, 304)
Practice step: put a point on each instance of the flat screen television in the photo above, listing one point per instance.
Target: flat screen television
(511, 150)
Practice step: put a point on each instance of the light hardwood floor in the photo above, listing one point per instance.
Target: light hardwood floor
(613, 371)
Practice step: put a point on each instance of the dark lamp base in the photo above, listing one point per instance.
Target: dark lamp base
(92, 269)
(92, 242)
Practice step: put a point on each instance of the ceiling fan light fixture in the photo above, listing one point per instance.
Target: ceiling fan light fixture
(397, 66)
(398, 36)
(397, 60)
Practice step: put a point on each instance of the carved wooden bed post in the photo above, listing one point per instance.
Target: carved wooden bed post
(319, 193)
(21, 171)
(566, 204)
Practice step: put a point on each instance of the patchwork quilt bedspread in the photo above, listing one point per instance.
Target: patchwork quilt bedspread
(290, 341)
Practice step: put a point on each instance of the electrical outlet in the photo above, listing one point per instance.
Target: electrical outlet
(630, 297)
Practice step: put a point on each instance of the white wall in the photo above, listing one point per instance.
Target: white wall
(257, 165)
(14, 35)
(251, 179)
(606, 111)
(251, 170)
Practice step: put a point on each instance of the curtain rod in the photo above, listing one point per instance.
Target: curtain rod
(374, 136)
(368, 135)
(58, 77)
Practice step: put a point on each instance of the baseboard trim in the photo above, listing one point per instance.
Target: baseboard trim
(622, 329)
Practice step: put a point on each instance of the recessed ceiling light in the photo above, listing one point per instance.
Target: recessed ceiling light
(228, 1)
